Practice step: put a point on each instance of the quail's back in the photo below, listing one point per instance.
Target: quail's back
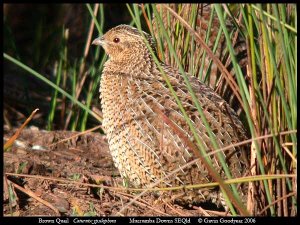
(145, 147)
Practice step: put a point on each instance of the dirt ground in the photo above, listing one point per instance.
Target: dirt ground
(55, 179)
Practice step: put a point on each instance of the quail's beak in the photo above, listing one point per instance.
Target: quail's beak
(98, 41)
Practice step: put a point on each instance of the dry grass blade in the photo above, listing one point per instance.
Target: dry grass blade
(276, 201)
(141, 203)
(175, 210)
(33, 195)
(284, 146)
(152, 188)
(74, 136)
(10, 142)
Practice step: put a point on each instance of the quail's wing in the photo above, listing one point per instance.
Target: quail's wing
(161, 149)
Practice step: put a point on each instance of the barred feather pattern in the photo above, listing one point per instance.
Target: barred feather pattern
(144, 147)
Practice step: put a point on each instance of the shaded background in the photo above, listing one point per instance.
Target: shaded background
(33, 34)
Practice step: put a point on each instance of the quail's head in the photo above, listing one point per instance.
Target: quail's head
(123, 41)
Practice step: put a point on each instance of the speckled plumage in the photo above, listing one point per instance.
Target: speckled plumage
(143, 146)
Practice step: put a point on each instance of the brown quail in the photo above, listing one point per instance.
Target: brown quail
(145, 148)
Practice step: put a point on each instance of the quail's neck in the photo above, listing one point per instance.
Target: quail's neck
(132, 64)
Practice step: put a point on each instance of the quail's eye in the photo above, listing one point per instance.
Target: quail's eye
(116, 40)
